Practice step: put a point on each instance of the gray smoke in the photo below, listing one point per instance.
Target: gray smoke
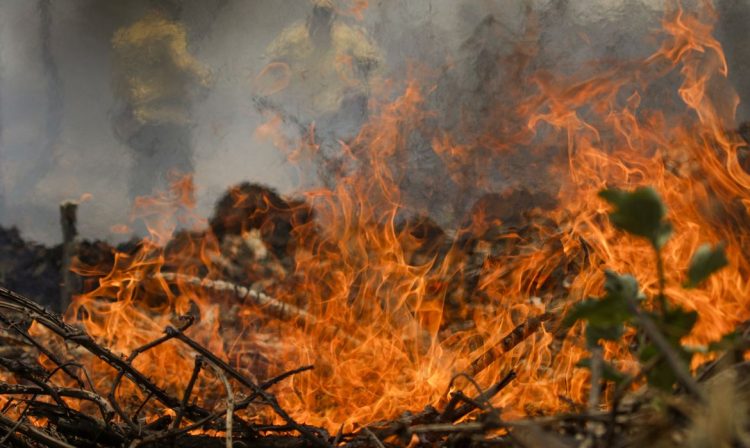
(52, 115)
(56, 100)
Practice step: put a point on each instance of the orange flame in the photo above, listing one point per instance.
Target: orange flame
(389, 317)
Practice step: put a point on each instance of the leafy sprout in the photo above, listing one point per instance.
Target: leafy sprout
(642, 213)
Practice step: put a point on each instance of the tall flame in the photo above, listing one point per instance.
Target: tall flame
(389, 317)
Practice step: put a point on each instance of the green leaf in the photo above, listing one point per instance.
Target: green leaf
(705, 262)
(620, 287)
(662, 235)
(601, 312)
(727, 342)
(606, 317)
(595, 332)
(674, 324)
(609, 372)
(677, 323)
(640, 213)
(661, 375)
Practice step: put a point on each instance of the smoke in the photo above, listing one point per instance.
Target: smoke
(56, 96)
(2, 182)
(733, 19)
(58, 143)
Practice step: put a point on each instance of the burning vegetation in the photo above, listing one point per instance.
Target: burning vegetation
(559, 259)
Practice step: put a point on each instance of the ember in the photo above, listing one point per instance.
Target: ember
(534, 270)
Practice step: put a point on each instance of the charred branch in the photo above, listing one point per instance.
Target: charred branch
(69, 284)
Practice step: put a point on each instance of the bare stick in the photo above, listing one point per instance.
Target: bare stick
(44, 350)
(218, 414)
(483, 397)
(230, 403)
(81, 394)
(188, 391)
(595, 390)
(374, 438)
(620, 391)
(267, 397)
(673, 359)
(134, 354)
(18, 303)
(460, 396)
(515, 337)
(596, 376)
(33, 433)
(69, 248)
(141, 406)
(268, 305)
(19, 369)
(448, 428)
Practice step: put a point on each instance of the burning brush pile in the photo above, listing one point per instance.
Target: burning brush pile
(605, 306)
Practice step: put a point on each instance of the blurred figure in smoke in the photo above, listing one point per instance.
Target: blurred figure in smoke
(156, 80)
(321, 71)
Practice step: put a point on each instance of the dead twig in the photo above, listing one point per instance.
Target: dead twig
(69, 283)
(81, 394)
(218, 414)
(263, 302)
(15, 302)
(670, 355)
(267, 397)
(484, 397)
(230, 403)
(188, 391)
(266, 303)
(515, 337)
(374, 438)
(42, 349)
(32, 433)
(129, 360)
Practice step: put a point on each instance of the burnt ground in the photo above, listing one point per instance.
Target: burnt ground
(30, 268)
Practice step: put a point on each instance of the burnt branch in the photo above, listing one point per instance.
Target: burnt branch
(73, 425)
(15, 302)
(512, 339)
(257, 389)
(80, 394)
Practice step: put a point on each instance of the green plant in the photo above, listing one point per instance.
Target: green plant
(660, 329)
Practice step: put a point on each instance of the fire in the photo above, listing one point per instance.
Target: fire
(394, 309)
